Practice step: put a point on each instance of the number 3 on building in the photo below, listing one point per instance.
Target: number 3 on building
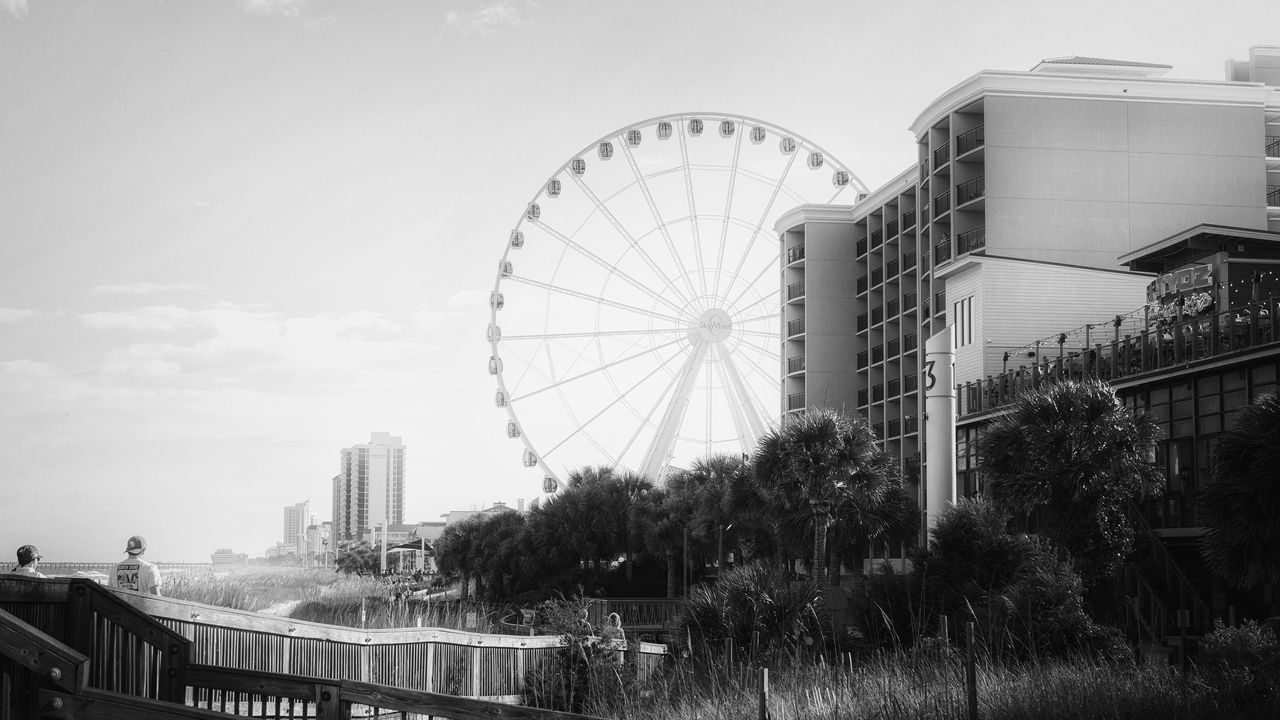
(929, 379)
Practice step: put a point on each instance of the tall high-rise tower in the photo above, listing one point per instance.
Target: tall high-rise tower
(296, 519)
(368, 490)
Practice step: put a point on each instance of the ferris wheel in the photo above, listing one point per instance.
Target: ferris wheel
(634, 321)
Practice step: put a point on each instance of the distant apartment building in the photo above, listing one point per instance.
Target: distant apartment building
(1027, 189)
(368, 491)
(318, 544)
(456, 516)
(296, 519)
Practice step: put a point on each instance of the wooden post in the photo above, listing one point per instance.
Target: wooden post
(329, 705)
(970, 672)
(764, 694)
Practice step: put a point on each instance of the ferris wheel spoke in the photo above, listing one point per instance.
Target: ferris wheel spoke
(693, 208)
(771, 266)
(770, 376)
(595, 333)
(617, 225)
(758, 301)
(728, 212)
(656, 457)
(757, 318)
(582, 427)
(657, 218)
(764, 216)
(757, 333)
(746, 417)
(591, 298)
(611, 267)
(602, 368)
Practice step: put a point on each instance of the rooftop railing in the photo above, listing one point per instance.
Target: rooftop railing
(1174, 345)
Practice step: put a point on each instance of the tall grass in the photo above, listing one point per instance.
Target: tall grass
(898, 686)
(324, 596)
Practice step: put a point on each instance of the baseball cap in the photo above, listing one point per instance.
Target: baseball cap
(27, 553)
(136, 544)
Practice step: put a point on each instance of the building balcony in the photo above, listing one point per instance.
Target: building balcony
(862, 398)
(794, 253)
(911, 423)
(862, 247)
(795, 290)
(861, 284)
(942, 252)
(942, 155)
(861, 322)
(795, 401)
(877, 239)
(942, 204)
(971, 240)
(970, 191)
(1273, 147)
(891, 228)
(908, 220)
(908, 260)
(909, 343)
(967, 142)
(862, 359)
(908, 302)
(795, 327)
(795, 364)
(895, 428)
(877, 277)
(1273, 196)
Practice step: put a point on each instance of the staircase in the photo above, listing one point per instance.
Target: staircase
(1168, 610)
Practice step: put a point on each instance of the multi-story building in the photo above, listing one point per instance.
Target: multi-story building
(1027, 189)
(224, 558)
(296, 519)
(317, 548)
(368, 490)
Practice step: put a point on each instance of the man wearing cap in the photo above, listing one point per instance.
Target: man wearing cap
(134, 573)
(28, 561)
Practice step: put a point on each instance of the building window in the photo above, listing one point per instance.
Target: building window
(963, 316)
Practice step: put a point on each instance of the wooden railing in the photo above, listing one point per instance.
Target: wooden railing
(130, 653)
(44, 677)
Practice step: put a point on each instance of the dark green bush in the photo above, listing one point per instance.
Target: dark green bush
(755, 603)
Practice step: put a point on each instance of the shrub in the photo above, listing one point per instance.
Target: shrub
(754, 601)
(583, 673)
(1243, 662)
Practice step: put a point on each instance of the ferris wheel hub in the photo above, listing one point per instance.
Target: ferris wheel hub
(714, 325)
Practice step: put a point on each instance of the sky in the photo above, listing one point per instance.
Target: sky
(237, 237)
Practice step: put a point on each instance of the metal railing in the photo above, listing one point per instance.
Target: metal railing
(942, 155)
(942, 251)
(795, 252)
(908, 260)
(971, 240)
(970, 140)
(942, 203)
(1273, 196)
(1273, 146)
(795, 401)
(795, 364)
(1174, 345)
(971, 190)
(795, 290)
(795, 327)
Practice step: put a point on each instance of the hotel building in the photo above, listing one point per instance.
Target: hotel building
(368, 490)
(1027, 189)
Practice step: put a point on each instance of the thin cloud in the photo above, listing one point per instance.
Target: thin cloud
(468, 298)
(290, 8)
(9, 316)
(144, 288)
(158, 318)
(16, 8)
(492, 19)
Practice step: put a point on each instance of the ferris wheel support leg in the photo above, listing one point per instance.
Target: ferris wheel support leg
(741, 399)
(659, 452)
(746, 439)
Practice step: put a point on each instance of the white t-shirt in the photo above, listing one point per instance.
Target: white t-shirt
(136, 574)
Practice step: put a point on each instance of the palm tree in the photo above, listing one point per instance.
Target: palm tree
(1242, 535)
(1076, 454)
(821, 462)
